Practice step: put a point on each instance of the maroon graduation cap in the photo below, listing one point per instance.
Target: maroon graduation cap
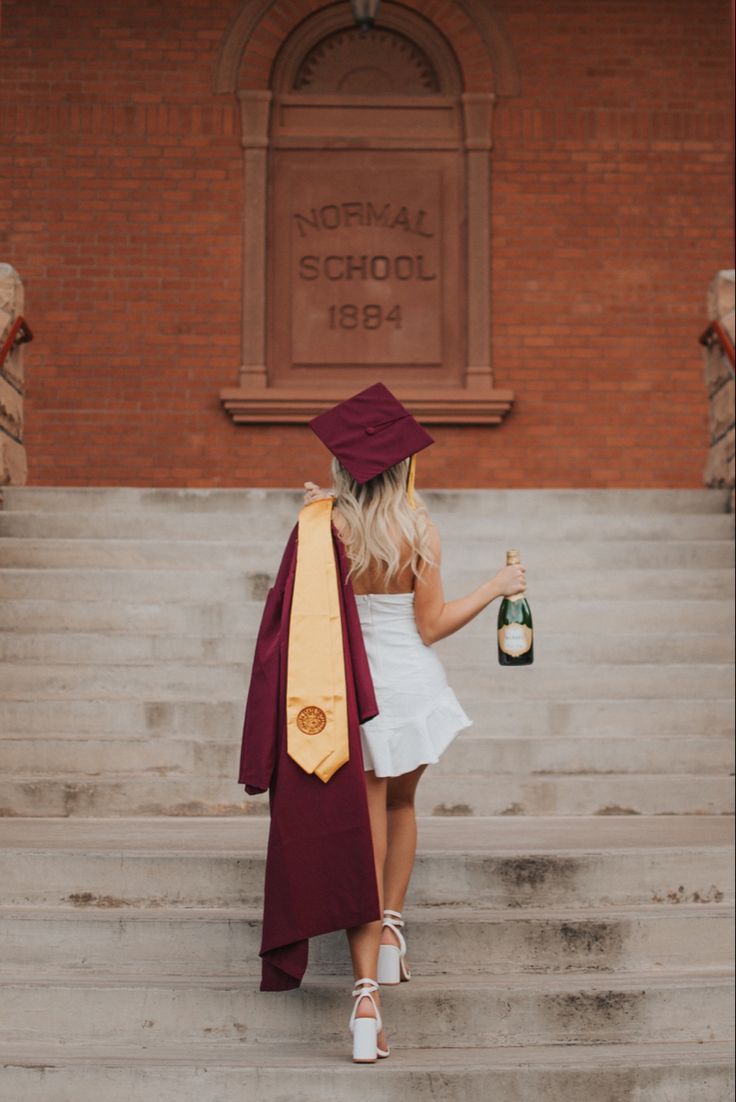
(370, 432)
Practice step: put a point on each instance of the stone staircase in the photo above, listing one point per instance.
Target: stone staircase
(570, 918)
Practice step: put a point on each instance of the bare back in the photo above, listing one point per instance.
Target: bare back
(373, 580)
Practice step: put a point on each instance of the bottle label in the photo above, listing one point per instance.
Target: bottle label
(515, 639)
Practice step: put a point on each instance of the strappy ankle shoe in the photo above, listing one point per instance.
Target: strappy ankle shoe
(365, 1030)
(391, 964)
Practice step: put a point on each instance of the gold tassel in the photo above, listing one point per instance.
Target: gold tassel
(410, 480)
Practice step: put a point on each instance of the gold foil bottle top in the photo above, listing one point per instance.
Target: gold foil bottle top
(513, 557)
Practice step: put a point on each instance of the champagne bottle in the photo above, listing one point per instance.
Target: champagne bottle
(515, 630)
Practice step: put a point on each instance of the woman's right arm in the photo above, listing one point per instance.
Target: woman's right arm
(437, 618)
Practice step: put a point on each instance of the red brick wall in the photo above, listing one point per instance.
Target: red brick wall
(121, 192)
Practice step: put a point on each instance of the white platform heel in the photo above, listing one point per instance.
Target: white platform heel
(365, 1030)
(391, 964)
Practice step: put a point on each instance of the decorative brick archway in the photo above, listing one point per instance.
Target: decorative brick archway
(366, 246)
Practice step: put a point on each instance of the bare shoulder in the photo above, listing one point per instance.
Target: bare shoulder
(338, 520)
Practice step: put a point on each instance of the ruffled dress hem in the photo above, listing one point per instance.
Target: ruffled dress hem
(420, 740)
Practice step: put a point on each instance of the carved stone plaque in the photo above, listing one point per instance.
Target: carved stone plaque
(365, 264)
(365, 269)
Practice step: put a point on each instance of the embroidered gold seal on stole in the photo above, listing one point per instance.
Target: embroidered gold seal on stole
(311, 720)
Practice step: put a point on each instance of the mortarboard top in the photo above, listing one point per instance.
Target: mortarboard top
(370, 432)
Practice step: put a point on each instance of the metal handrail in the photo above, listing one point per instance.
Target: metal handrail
(717, 334)
(20, 333)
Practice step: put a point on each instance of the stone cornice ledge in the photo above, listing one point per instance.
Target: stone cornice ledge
(283, 405)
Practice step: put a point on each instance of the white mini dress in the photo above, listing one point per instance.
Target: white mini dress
(419, 714)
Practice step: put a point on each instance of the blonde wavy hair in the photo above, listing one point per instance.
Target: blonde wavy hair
(376, 512)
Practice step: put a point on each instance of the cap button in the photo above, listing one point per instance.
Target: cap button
(370, 430)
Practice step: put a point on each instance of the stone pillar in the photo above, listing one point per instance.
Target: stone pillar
(719, 380)
(478, 112)
(13, 466)
(255, 107)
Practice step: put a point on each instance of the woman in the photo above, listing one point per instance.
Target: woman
(395, 554)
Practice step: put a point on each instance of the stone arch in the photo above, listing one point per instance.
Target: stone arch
(381, 64)
(261, 17)
(420, 38)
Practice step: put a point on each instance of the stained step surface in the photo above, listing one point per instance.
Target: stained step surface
(570, 914)
(240, 1072)
(507, 862)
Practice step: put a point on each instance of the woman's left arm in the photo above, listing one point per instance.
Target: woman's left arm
(436, 618)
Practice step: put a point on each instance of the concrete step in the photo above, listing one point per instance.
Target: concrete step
(148, 586)
(474, 685)
(206, 718)
(138, 793)
(553, 648)
(488, 754)
(508, 863)
(231, 524)
(262, 556)
(485, 503)
(217, 617)
(579, 794)
(449, 1011)
(442, 940)
(220, 1071)
(497, 754)
(192, 586)
(584, 648)
(129, 946)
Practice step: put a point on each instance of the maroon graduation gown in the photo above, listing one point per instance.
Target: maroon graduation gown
(320, 871)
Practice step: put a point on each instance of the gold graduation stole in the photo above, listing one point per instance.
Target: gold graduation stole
(316, 699)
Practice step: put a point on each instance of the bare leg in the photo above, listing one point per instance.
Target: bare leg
(364, 940)
(401, 843)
